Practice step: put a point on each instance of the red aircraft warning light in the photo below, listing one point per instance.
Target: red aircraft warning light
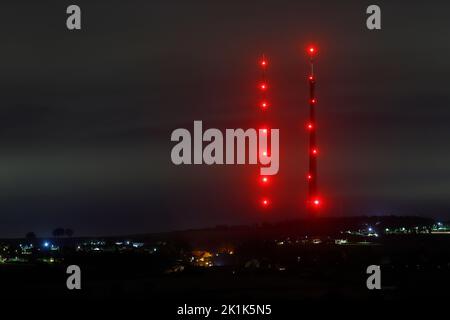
(312, 50)
(264, 105)
(263, 63)
(264, 180)
(316, 203)
(265, 202)
(263, 86)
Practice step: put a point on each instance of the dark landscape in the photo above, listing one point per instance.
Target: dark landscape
(300, 260)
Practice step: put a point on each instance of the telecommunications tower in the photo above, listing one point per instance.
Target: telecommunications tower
(314, 201)
(264, 105)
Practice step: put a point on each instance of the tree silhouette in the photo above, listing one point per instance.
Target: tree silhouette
(31, 237)
(58, 232)
(68, 232)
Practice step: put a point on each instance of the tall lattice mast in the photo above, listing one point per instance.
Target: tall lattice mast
(313, 199)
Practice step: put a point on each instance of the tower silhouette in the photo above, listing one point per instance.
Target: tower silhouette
(313, 200)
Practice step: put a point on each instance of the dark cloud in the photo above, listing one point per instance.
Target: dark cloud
(86, 117)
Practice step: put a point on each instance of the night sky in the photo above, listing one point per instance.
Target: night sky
(86, 116)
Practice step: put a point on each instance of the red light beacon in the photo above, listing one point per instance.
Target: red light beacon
(264, 63)
(312, 51)
(315, 203)
(264, 180)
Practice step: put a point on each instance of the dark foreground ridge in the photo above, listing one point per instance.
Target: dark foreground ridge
(303, 260)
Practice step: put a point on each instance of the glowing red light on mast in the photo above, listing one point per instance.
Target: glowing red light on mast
(264, 180)
(316, 202)
(264, 105)
(312, 50)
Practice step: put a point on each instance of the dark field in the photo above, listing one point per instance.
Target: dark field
(413, 267)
